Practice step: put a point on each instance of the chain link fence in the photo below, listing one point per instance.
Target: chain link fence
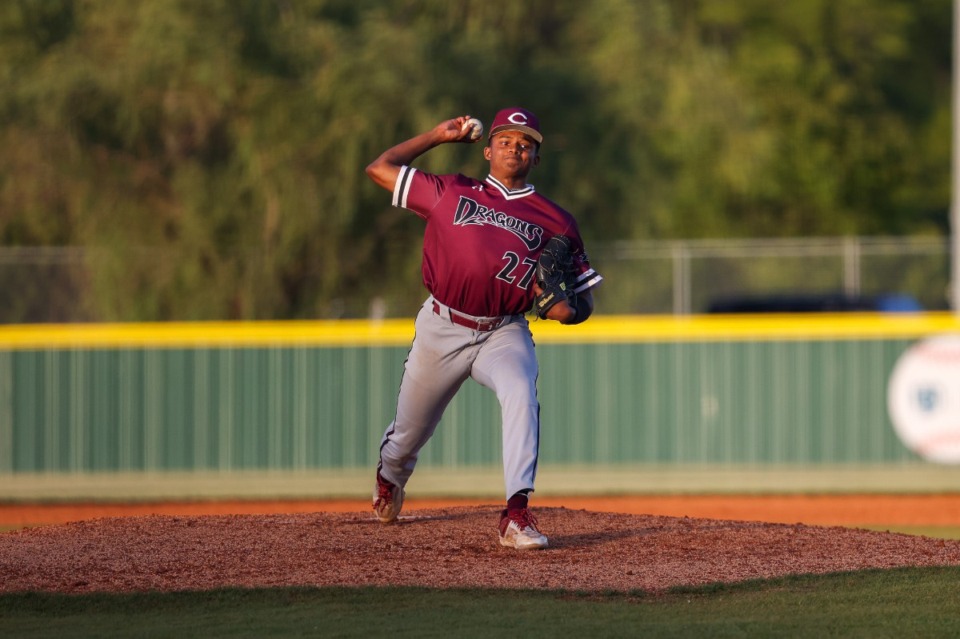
(847, 273)
(55, 284)
(44, 284)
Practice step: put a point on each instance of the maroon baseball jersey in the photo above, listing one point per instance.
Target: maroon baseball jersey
(482, 240)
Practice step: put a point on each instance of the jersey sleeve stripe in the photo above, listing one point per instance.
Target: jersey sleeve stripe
(402, 189)
(587, 279)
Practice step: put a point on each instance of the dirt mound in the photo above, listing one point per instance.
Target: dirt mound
(451, 547)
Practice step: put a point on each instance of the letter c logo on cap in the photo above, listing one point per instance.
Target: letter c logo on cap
(517, 118)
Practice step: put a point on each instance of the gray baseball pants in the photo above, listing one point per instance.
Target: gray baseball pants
(442, 357)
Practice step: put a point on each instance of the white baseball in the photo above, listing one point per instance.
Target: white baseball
(476, 128)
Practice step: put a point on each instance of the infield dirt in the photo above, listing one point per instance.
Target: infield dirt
(138, 547)
(831, 510)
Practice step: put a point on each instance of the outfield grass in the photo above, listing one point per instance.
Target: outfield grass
(937, 532)
(893, 603)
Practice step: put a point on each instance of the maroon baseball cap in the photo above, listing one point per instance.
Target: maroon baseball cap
(516, 119)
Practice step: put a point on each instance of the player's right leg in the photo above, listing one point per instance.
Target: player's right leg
(387, 499)
(435, 369)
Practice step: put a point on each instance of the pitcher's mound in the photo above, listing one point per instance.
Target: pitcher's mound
(443, 548)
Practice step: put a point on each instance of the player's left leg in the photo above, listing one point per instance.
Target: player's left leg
(507, 364)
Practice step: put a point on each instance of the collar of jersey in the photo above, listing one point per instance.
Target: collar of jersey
(510, 194)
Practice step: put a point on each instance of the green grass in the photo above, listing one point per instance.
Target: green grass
(892, 603)
(938, 532)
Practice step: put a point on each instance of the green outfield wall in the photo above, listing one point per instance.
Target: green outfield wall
(301, 396)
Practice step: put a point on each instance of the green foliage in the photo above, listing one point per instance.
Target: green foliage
(213, 152)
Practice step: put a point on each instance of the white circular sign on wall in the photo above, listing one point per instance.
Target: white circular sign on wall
(923, 398)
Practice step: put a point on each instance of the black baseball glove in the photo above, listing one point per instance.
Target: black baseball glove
(554, 273)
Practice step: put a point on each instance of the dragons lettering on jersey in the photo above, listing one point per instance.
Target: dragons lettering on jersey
(471, 212)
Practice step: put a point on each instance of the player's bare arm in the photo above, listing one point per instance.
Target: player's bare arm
(386, 168)
(567, 313)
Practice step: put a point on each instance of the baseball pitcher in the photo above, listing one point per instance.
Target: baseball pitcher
(493, 249)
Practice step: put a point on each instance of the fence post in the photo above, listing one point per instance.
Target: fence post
(954, 288)
(681, 278)
(851, 266)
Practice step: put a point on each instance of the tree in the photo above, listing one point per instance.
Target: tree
(209, 156)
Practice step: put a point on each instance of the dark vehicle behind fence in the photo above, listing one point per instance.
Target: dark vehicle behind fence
(816, 303)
